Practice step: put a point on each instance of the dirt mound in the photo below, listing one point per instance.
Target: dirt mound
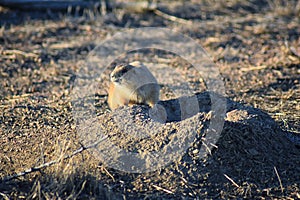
(251, 145)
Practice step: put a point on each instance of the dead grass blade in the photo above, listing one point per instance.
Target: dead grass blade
(232, 181)
(172, 17)
(279, 179)
(163, 189)
(19, 52)
(4, 196)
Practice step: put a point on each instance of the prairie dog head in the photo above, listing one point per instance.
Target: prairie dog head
(118, 73)
(132, 75)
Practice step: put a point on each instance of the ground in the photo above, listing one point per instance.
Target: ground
(254, 44)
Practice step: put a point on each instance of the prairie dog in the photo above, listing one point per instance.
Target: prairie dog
(132, 84)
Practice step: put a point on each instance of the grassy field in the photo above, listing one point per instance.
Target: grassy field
(256, 46)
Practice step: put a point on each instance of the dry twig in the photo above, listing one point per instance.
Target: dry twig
(34, 169)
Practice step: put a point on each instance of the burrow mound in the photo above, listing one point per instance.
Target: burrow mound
(248, 148)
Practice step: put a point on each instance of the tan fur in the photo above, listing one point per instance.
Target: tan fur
(132, 84)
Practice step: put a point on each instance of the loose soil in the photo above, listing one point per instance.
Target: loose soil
(255, 45)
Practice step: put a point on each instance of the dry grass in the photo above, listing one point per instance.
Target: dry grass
(255, 43)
